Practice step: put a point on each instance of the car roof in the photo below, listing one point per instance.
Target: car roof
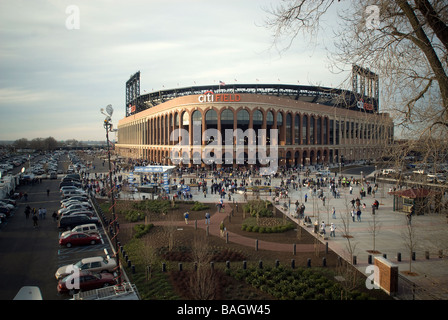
(92, 259)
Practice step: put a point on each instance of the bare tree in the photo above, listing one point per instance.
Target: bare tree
(202, 281)
(406, 42)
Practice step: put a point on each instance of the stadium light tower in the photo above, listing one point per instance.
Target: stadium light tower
(108, 126)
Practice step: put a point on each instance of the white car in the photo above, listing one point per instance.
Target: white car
(93, 264)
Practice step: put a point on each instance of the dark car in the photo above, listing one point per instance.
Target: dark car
(71, 221)
(78, 239)
(84, 281)
(5, 210)
(70, 183)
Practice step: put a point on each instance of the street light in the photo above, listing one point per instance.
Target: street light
(108, 126)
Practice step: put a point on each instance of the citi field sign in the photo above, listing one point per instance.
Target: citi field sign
(209, 96)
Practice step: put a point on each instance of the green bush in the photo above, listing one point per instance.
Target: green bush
(134, 215)
(141, 229)
(198, 206)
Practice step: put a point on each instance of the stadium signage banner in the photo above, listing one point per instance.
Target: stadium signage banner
(209, 96)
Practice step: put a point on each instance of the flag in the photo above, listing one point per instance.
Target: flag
(221, 83)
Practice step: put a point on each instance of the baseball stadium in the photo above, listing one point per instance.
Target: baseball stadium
(308, 124)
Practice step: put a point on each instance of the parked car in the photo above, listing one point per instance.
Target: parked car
(69, 222)
(77, 212)
(86, 228)
(67, 188)
(74, 207)
(92, 264)
(84, 281)
(79, 239)
(78, 197)
(67, 202)
(6, 211)
(70, 193)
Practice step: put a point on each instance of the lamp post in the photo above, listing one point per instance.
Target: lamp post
(108, 126)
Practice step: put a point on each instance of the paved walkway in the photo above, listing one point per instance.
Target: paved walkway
(214, 230)
(390, 229)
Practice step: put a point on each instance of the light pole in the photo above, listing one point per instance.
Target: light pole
(108, 126)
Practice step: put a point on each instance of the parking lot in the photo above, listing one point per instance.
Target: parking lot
(31, 256)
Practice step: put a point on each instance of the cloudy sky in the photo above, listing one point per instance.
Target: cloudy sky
(55, 77)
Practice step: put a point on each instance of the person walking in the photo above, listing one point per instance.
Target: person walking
(27, 212)
(332, 230)
(186, 216)
(222, 228)
(207, 218)
(334, 213)
(322, 228)
(35, 221)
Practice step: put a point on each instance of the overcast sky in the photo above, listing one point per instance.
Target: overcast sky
(54, 79)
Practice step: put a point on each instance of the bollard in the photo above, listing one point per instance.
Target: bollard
(324, 262)
(244, 265)
(277, 263)
(212, 265)
(260, 264)
(399, 256)
(163, 267)
(384, 256)
(369, 259)
(133, 269)
(126, 258)
(293, 264)
(354, 260)
(227, 237)
(308, 263)
(339, 261)
(228, 264)
(294, 249)
(196, 224)
(207, 231)
(195, 266)
(427, 255)
(326, 247)
(440, 254)
(180, 266)
(256, 244)
(129, 263)
(413, 256)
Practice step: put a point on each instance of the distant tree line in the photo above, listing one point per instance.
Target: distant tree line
(41, 144)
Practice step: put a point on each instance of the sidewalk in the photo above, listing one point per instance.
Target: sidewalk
(431, 234)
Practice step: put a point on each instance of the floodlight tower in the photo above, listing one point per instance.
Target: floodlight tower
(108, 126)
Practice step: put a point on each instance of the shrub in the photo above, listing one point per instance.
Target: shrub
(141, 229)
(198, 206)
(134, 215)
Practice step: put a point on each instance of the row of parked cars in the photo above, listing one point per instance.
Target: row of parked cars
(7, 209)
(80, 226)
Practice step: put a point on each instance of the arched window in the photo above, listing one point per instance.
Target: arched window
(257, 118)
(279, 119)
(197, 116)
(185, 119)
(319, 127)
(270, 119)
(211, 117)
(305, 129)
(312, 130)
(288, 128)
(296, 129)
(243, 117)
(227, 117)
